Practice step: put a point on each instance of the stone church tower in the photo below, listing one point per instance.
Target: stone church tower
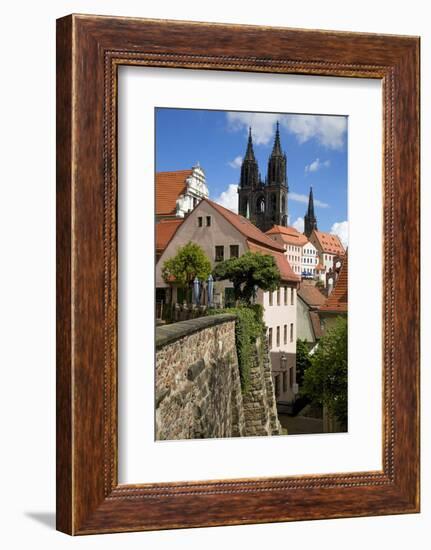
(310, 221)
(264, 203)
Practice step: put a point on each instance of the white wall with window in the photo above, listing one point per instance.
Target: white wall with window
(280, 319)
(310, 260)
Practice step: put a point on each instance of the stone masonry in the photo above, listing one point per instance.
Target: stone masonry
(198, 389)
(260, 407)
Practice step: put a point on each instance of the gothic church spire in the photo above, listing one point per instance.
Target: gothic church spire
(277, 163)
(310, 221)
(249, 167)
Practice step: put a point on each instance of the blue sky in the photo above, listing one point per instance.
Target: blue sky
(315, 145)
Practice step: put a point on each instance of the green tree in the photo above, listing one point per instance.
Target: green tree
(325, 380)
(189, 262)
(302, 359)
(250, 270)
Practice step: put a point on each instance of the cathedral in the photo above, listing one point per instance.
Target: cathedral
(264, 203)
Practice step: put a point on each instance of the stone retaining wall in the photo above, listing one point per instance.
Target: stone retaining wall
(198, 389)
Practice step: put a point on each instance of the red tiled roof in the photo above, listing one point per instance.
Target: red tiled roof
(289, 235)
(245, 227)
(257, 240)
(286, 271)
(337, 300)
(311, 295)
(165, 230)
(169, 186)
(330, 244)
(315, 323)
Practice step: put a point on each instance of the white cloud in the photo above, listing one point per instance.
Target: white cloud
(229, 198)
(329, 131)
(262, 125)
(317, 165)
(298, 224)
(236, 162)
(297, 197)
(341, 229)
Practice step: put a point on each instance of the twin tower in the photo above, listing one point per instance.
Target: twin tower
(265, 203)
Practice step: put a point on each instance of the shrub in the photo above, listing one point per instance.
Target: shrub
(250, 271)
(325, 380)
(248, 328)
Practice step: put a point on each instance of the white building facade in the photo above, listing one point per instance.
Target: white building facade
(196, 189)
(281, 322)
(293, 243)
(309, 260)
(329, 248)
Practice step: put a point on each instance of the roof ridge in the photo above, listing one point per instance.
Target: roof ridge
(174, 171)
(261, 237)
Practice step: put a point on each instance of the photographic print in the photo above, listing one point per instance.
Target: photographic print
(251, 270)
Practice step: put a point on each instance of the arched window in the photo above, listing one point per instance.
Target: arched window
(245, 207)
(283, 203)
(260, 205)
(273, 203)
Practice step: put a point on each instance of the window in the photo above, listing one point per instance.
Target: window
(270, 297)
(285, 334)
(277, 386)
(291, 377)
(200, 221)
(285, 295)
(278, 296)
(260, 205)
(234, 251)
(284, 381)
(291, 332)
(278, 337)
(219, 253)
(292, 296)
(270, 338)
(208, 221)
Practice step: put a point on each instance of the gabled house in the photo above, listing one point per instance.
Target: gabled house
(293, 242)
(310, 299)
(222, 234)
(328, 246)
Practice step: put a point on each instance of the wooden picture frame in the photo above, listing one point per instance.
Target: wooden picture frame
(89, 51)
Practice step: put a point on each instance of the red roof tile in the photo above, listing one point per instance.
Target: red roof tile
(315, 323)
(311, 295)
(337, 300)
(257, 240)
(246, 228)
(330, 244)
(165, 230)
(289, 235)
(169, 186)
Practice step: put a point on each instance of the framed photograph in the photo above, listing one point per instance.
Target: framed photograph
(237, 274)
